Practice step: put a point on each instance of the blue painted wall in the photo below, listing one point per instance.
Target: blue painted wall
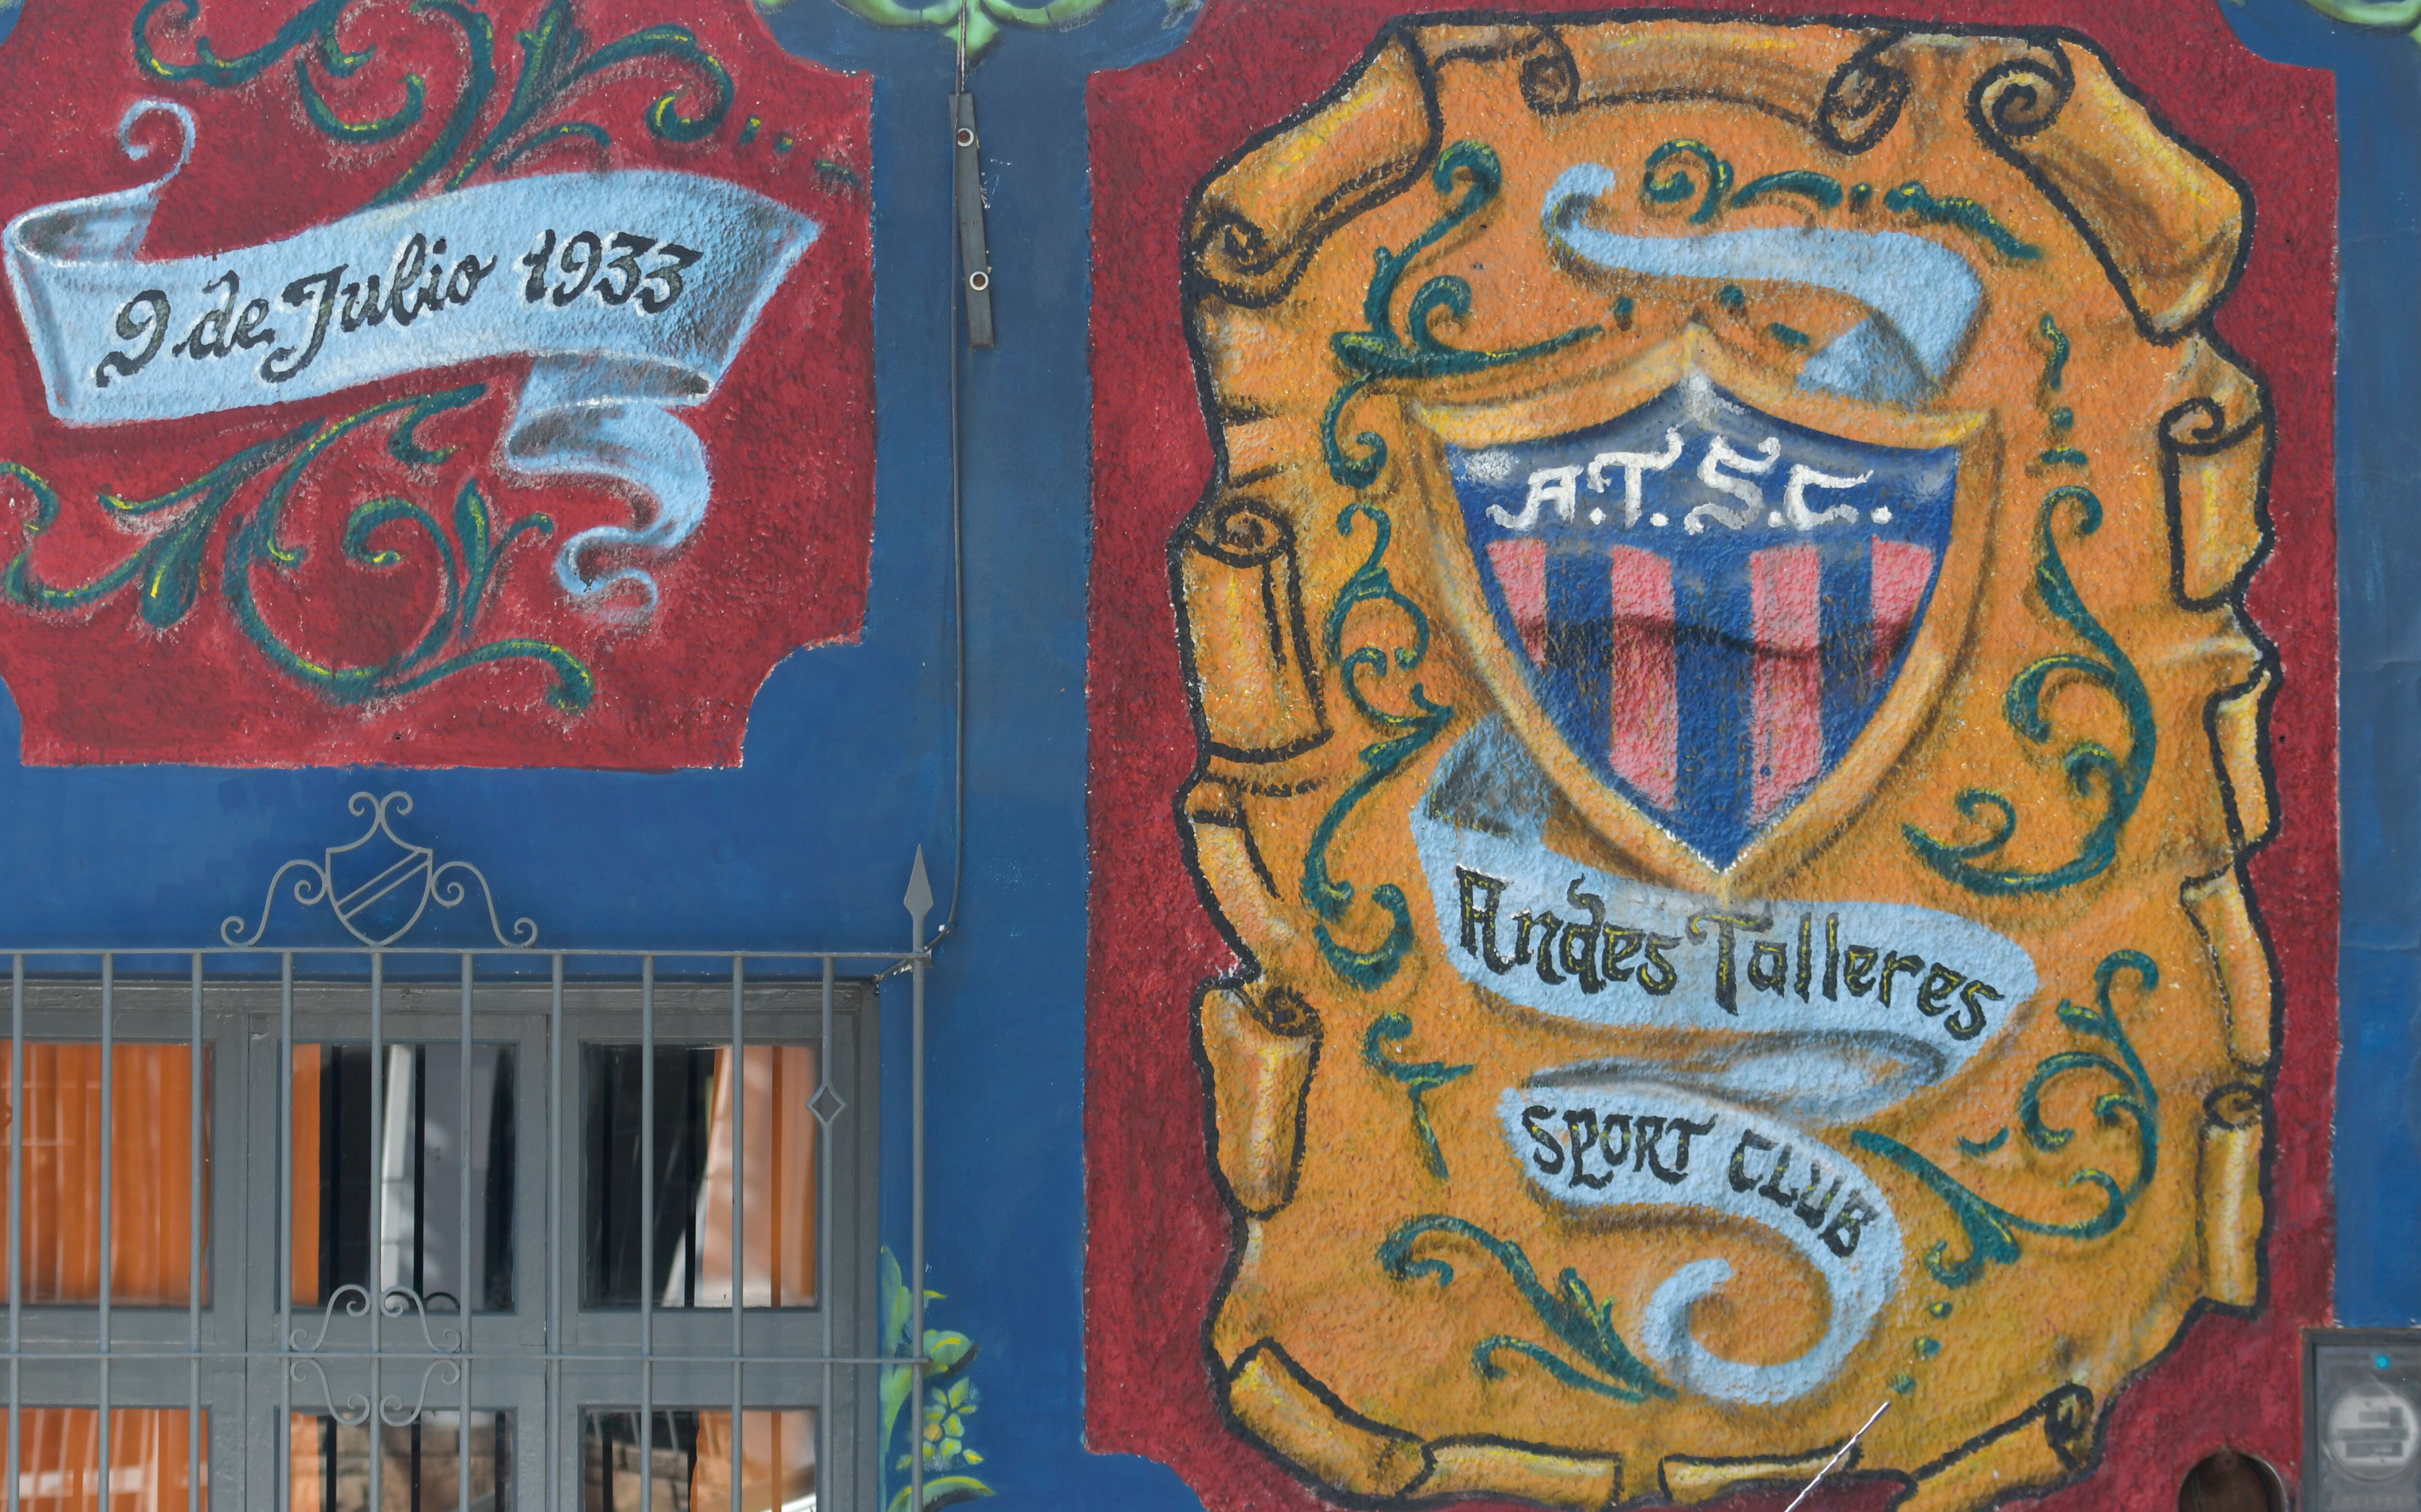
(2378, 1165)
(851, 750)
(1005, 1207)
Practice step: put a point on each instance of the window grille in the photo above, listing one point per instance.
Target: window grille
(356, 1225)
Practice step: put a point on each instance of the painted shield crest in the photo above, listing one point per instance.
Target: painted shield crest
(1792, 905)
(1709, 602)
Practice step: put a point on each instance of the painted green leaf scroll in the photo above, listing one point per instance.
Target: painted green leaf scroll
(1472, 172)
(1404, 735)
(2091, 766)
(1675, 186)
(1592, 1357)
(2373, 15)
(1377, 354)
(555, 61)
(167, 570)
(951, 1401)
(1417, 1078)
(1991, 1230)
(1691, 174)
(1915, 200)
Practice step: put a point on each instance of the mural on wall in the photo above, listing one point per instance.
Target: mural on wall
(940, 1434)
(428, 385)
(1728, 738)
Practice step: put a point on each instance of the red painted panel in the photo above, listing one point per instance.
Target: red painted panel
(1646, 709)
(1789, 691)
(333, 652)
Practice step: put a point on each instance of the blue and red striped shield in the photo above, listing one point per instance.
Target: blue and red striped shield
(1710, 603)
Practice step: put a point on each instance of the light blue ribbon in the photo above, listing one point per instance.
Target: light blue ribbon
(1924, 296)
(622, 330)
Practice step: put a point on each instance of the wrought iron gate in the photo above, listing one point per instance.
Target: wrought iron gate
(422, 1279)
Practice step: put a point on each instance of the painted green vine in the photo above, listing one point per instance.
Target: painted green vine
(1405, 734)
(1915, 200)
(1417, 1078)
(2059, 418)
(1677, 187)
(166, 569)
(2054, 371)
(1374, 354)
(1593, 1357)
(555, 57)
(2089, 763)
(950, 1401)
(1377, 354)
(1684, 170)
(1991, 1230)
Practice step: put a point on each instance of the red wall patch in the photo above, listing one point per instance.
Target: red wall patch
(487, 387)
(1158, 1234)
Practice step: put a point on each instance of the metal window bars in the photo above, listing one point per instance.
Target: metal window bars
(382, 1354)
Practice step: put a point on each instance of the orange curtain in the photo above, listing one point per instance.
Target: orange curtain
(151, 1202)
(59, 1455)
(781, 1178)
(305, 1237)
(777, 1459)
(151, 1206)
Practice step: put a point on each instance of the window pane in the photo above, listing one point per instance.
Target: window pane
(693, 1095)
(689, 1468)
(420, 1189)
(59, 1455)
(329, 1464)
(151, 1201)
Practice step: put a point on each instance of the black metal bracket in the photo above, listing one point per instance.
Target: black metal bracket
(975, 259)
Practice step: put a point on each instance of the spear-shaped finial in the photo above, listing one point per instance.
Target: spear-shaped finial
(920, 900)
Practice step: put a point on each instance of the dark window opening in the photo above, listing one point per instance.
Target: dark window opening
(422, 1466)
(690, 1264)
(420, 1187)
(687, 1462)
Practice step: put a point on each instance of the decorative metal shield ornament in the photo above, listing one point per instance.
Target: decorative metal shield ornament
(1727, 739)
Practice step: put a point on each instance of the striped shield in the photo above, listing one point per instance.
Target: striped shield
(1710, 603)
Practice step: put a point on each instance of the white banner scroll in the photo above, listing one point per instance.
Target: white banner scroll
(1588, 1140)
(1824, 1011)
(633, 289)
